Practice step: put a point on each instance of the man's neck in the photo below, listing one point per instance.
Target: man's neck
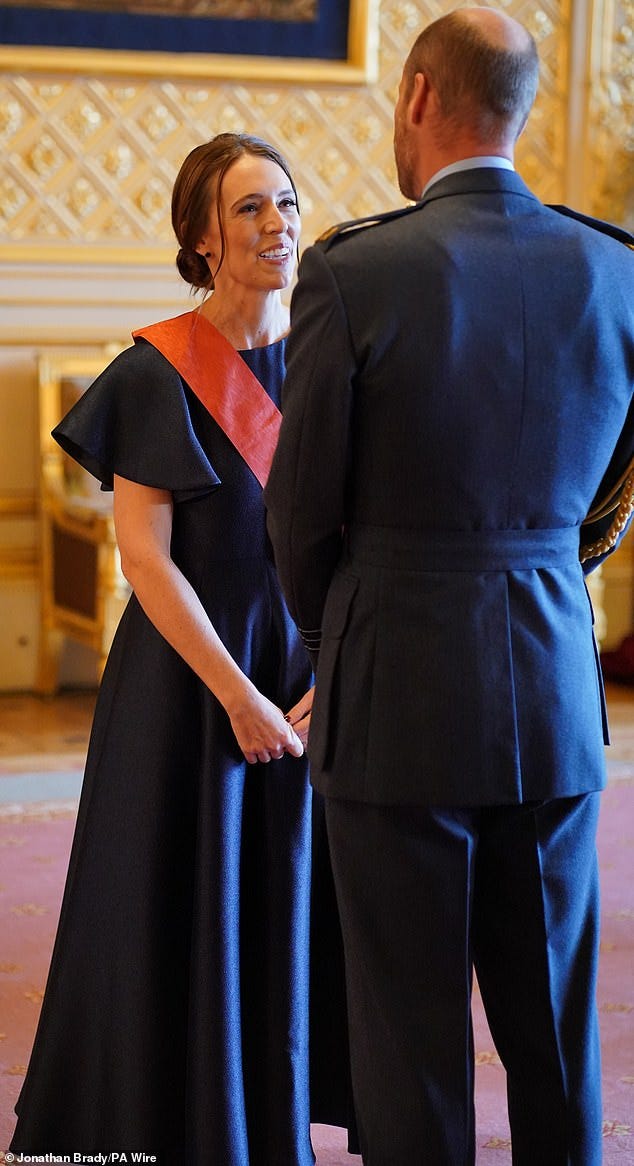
(475, 162)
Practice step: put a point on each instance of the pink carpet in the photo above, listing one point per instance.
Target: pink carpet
(34, 847)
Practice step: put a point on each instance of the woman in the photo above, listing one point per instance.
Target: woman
(176, 1013)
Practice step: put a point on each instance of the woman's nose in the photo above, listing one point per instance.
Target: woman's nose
(274, 220)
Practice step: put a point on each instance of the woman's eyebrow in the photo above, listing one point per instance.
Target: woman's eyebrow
(259, 194)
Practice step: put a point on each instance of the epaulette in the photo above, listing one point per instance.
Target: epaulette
(597, 224)
(343, 230)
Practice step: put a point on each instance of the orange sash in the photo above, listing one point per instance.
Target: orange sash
(218, 376)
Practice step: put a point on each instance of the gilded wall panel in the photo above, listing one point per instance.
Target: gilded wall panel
(611, 123)
(87, 162)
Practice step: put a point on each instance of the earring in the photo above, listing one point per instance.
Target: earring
(207, 254)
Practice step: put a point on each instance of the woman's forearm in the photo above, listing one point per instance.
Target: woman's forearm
(143, 522)
(171, 604)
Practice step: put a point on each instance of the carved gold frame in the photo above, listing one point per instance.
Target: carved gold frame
(360, 66)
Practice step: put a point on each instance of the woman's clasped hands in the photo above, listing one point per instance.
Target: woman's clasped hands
(262, 730)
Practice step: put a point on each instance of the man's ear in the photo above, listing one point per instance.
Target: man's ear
(419, 98)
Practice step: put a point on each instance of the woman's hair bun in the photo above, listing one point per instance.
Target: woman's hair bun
(194, 268)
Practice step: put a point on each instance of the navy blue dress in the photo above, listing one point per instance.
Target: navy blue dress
(176, 1018)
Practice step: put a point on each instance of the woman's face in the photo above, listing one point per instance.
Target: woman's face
(261, 227)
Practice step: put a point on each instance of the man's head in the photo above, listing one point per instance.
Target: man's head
(467, 88)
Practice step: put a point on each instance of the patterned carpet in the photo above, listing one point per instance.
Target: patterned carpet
(35, 838)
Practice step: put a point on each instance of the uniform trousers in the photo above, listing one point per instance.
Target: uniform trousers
(425, 896)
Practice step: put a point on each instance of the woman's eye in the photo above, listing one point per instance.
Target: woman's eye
(248, 208)
(285, 203)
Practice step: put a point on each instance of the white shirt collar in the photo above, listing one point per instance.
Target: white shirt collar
(492, 161)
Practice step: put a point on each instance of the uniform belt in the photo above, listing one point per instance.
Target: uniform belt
(462, 550)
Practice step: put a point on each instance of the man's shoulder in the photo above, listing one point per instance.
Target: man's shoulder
(357, 228)
(600, 225)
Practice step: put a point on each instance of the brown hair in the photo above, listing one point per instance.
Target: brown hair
(485, 86)
(198, 184)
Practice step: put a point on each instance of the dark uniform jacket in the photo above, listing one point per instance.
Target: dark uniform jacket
(459, 390)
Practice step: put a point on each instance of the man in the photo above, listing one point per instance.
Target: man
(459, 390)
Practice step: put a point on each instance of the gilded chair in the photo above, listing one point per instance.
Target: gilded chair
(83, 591)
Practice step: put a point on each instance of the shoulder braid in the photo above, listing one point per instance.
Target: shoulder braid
(354, 226)
(600, 225)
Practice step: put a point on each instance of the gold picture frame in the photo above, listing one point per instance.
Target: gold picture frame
(359, 68)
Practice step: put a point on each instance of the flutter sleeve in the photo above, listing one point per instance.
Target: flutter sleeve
(136, 421)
